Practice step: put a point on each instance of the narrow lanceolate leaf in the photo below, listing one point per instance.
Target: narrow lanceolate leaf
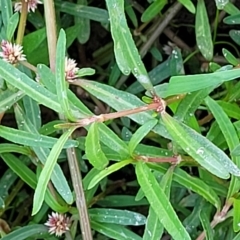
(83, 24)
(12, 25)
(61, 84)
(31, 139)
(32, 111)
(140, 134)
(189, 5)
(190, 83)
(230, 136)
(206, 225)
(126, 53)
(121, 217)
(159, 202)
(31, 88)
(154, 229)
(26, 232)
(195, 184)
(114, 231)
(93, 148)
(8, 98)
(229, 56)
(105, 172)
(234, 19)
(202, 150)
(153, 10)
(236, 215)
(47, 171)
(203, 31)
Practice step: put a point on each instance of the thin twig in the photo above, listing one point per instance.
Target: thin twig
(218, 217)
(170, 14)
(22, 22)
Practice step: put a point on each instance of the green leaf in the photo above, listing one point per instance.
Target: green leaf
(8, 98)
(231, 9)
(201, 149)
(114, 231)
(31, 88)
(190, 83)
(190, 103)
(47, 171)
(33, 111)
(189, 5)
(33, 40)
(92, 13)
(229, 57)
(231, 109)
(153, 10)
(232, 20)
(8, 11)
(110, 139)
(93, 148)
(203, 31)
(26, 232)
(154, 229)
(58, 179)
(48, 79)
(156, 75)
(176, 62)
(126, 53)
(206, 225)
(153, 226)
(121, 201)
(85, 72)
(20, 169)
(105, 172)
(83, 25)
(121, 217)
(8, 147)
(31, 139)
(131, 13)
(230, 135)
(140, 134)
(234, 34)
(236, 216)
(159, 202)
(61, 83)
(12, 25)
(195, 184)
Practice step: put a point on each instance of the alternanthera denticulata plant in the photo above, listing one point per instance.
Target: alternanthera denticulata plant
(97, 139)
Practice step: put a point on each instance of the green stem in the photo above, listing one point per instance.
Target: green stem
(190, 56)
(22, 23)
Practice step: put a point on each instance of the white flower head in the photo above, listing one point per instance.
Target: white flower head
(11, 53)
(58, 224)
(32, 5)
(71, 69)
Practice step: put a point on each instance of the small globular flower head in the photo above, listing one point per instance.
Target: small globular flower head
(11, 53)
(32, 5)
(58, 224)
(71, 69)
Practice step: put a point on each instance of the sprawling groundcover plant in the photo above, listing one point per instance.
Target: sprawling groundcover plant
(102, 148)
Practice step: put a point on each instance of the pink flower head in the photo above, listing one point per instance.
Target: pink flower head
(11, 53)
(58, 223)
(71, 69)
(32, 5)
